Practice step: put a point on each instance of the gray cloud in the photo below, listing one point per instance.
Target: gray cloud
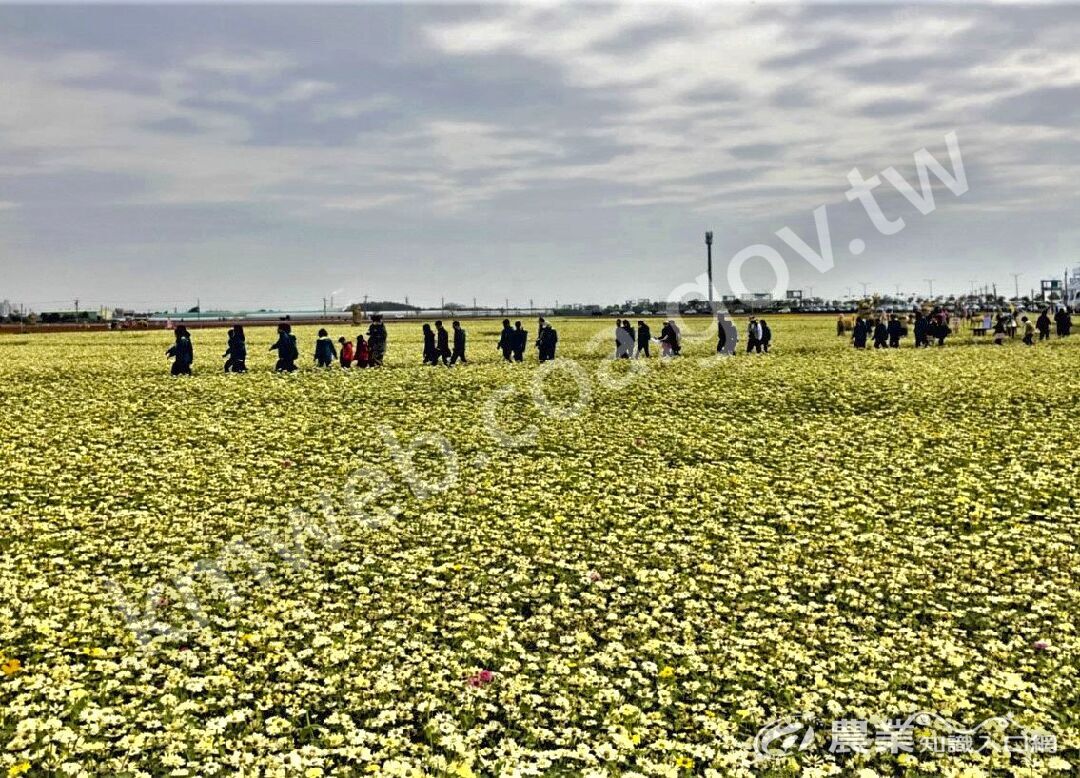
(531, 140)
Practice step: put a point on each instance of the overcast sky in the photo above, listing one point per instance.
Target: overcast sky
(262, 156)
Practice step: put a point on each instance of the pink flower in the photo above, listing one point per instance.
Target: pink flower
(1041, 645)
(594, 576)
(482, 678)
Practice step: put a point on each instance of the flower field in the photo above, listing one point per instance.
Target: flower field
(596, 568)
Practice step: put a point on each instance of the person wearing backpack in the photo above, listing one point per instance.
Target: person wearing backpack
(363, 352)
(376, 341)
(182, 352)
(286, 348)
(347, 354)
(236, 351)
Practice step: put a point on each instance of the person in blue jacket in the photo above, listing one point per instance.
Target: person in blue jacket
(325, 353)
(236, 351)
(286, 348)
(182, 352)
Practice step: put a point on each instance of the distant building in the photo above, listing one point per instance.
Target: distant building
(1072, 288)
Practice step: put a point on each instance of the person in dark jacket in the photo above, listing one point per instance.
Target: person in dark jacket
(1000, 330)
(507, 340)
(459, 344)
(860, 332)
(1042, 324)
(521, 339)
(431, 354)
(644, 335)
(286, 348)
(895, 331)
(922, 338)
(442, 345)
(881, 334)
(669, 340)
(236, 352)
(376, 341)
(546, 343)
(766, 335)
(753, 336)
(182, 352)
(1063, 320)
(940, 328)
(325, 353)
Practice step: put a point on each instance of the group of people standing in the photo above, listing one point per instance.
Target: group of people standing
(1006, 325)
(631, 342)
(887, 330)
(513, 340)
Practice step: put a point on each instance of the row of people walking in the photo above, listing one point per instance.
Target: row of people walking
(437, 345)
(439, 348)
(368, 352)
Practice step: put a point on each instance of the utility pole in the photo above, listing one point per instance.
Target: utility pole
(1016, 285)
(324, 307)
(930, 281)
(864, 285)
(708, 254)
(76, 307)
(506, 308)
(897, 287)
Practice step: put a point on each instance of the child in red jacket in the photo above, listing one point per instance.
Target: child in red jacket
(346, 353)
(362, 353)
